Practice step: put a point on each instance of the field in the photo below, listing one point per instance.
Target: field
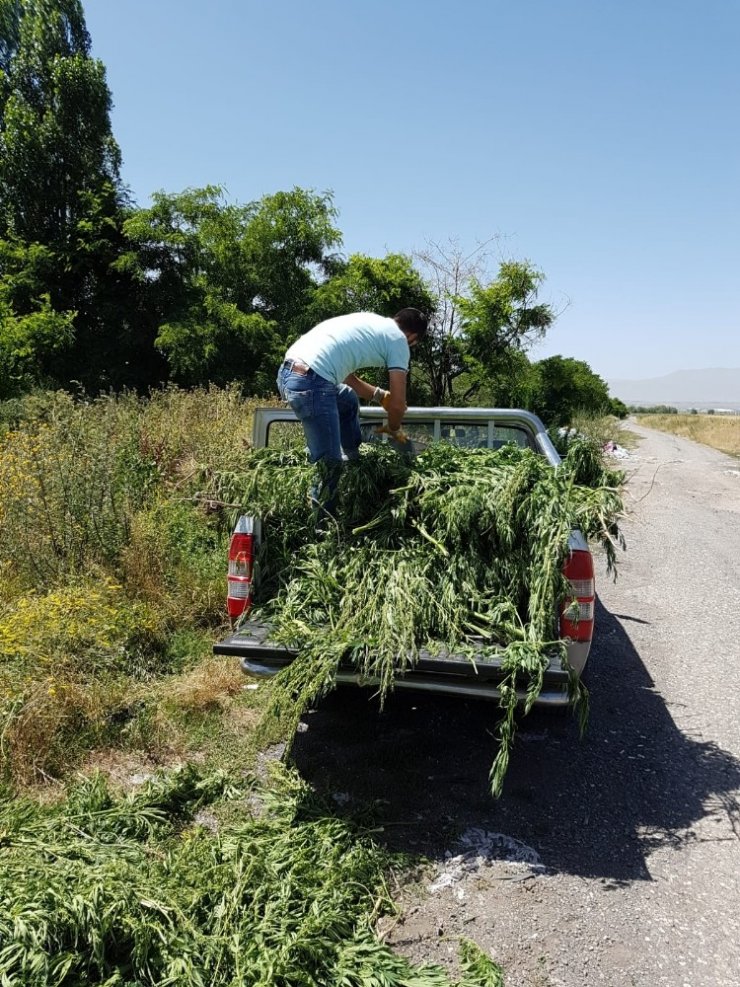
(718, 431)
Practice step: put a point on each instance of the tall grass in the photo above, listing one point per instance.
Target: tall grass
(107, 557)
(721, 432)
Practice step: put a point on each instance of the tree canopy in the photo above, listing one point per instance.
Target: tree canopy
(227, 284)
(61, 199)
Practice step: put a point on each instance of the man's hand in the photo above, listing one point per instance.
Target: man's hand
(397, 434)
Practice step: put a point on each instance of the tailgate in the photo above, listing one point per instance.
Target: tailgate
(250, 643)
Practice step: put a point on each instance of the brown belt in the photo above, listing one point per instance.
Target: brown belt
(297, 367)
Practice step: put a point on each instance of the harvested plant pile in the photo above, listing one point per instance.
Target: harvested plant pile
(133, 891)
(454, 548)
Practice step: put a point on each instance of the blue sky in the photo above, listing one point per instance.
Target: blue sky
(598, 139)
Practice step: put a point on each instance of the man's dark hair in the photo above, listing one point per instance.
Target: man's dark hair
(411, 320)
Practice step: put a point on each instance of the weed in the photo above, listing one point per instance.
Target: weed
(426, 555)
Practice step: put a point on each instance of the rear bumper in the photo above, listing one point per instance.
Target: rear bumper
(448, 674)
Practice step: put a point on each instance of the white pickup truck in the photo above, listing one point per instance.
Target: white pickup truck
(445, 672)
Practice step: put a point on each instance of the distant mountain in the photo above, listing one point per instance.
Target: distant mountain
(700, 389)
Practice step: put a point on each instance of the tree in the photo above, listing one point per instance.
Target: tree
(289, 245)
(566, 386)
(481, 325)
(61, 194)
(440, 359)
(32, 332)
(502, 318)
(511, 381)
(227, 284)
(56, 145)
(369, 284)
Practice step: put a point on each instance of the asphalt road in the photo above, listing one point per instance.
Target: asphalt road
(609, 860)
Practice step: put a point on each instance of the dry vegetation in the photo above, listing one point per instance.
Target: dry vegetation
(721, 432)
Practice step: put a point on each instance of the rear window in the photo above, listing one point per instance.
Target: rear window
(285, 435)
(482, 435)
(476, 435)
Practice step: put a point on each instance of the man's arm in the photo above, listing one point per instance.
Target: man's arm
(396, 404)
(361, 387)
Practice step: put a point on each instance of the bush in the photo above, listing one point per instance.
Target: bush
(72, 483)
(108, 487)
(176, 558)
(76, 476)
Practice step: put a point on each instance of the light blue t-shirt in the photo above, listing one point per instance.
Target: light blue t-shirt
(338, 347)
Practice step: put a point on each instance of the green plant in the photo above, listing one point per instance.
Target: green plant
(72, 667)
(133, 890)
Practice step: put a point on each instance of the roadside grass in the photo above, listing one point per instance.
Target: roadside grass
(112, 577)
(721, 432)
(602, 429)
(598, 430)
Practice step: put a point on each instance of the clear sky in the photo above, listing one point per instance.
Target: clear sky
(598, 139)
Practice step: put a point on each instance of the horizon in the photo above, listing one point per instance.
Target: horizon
(684, 370)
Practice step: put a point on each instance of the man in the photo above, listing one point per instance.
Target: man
(318, 379)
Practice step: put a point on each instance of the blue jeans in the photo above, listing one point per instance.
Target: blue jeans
(329, 414)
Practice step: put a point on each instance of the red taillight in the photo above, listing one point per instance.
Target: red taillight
(579, 571)
(241, 567)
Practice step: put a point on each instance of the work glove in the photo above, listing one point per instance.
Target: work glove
(398, 435)
(381, 397)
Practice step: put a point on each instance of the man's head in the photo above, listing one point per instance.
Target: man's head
(412, 323)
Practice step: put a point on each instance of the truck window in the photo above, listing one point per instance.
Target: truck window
(468, 436)
(507, 436)
(285, 435)
(478, 435)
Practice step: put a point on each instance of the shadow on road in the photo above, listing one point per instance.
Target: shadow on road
(595, 806)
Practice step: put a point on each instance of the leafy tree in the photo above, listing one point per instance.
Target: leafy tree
(618, 408)
(481, 326)
(25, 340)
(226, 283)
(510, 381)
(502, 318)
(369, 284)
(32, 332)
(61, 196)
(566, 386)
(289, 243)
(55, 135)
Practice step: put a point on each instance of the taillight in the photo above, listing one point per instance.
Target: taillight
(241, 567)
(579, 571)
